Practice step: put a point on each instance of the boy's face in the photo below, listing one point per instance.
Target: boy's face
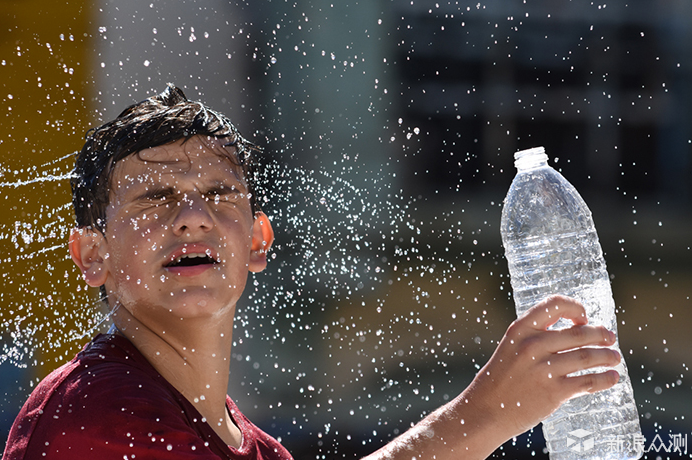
(179, 232)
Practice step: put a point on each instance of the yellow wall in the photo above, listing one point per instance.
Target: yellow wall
(45, 84)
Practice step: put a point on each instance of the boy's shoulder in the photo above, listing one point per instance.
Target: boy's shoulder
(109, 402)
(108, 369)
(108, 393)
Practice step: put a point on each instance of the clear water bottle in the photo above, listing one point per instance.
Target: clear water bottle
(552, 247)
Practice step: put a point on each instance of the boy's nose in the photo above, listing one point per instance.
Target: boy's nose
(193, 215)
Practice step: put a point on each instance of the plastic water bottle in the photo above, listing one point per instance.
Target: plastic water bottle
(552, 247)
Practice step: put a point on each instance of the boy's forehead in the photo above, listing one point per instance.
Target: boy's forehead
(200, 157)
(191, 148)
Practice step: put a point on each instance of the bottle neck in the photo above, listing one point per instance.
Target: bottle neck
(525, 160)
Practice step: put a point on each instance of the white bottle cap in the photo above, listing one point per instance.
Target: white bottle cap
(527, 152)
(530, 158)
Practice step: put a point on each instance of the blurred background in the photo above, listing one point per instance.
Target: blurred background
(389, 128)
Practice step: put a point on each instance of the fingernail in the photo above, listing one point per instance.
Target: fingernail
(611, 335)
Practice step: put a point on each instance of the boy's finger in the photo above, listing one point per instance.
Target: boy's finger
(546, 313)
(583, 358)
(580, 336)
(591, 383)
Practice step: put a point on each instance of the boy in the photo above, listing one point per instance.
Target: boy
(168, 228)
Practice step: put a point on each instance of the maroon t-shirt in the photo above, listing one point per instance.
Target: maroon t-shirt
(110, 403)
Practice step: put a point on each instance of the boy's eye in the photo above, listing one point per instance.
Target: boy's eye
(223, 195)
(215, 197)
(220, 197)
(159, 198)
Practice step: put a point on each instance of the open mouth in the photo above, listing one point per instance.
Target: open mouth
(191, 260)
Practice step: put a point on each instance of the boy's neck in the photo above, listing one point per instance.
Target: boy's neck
(193, 357)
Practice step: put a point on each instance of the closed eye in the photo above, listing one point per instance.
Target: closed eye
(159, 198)
(217, 194)
(224, 194)
(156, 195)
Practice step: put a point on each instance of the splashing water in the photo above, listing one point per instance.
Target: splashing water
(375, 307)
(46, 307)
(334, 241)
(362, 293)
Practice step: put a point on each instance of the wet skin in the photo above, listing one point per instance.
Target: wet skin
(174, 258)
(172, 200)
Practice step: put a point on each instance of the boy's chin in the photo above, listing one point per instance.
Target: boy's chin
(199, 304)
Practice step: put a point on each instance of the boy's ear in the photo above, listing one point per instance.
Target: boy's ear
(84, 250)
(262, 239)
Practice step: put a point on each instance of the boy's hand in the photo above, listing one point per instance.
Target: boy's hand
(526, 378)
(524, 382)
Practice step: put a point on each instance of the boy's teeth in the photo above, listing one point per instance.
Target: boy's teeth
(196, 255)
(189, 256)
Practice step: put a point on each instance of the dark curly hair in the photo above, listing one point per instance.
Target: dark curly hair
(156, 121)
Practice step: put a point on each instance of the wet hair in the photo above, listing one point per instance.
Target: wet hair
(156, 121)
